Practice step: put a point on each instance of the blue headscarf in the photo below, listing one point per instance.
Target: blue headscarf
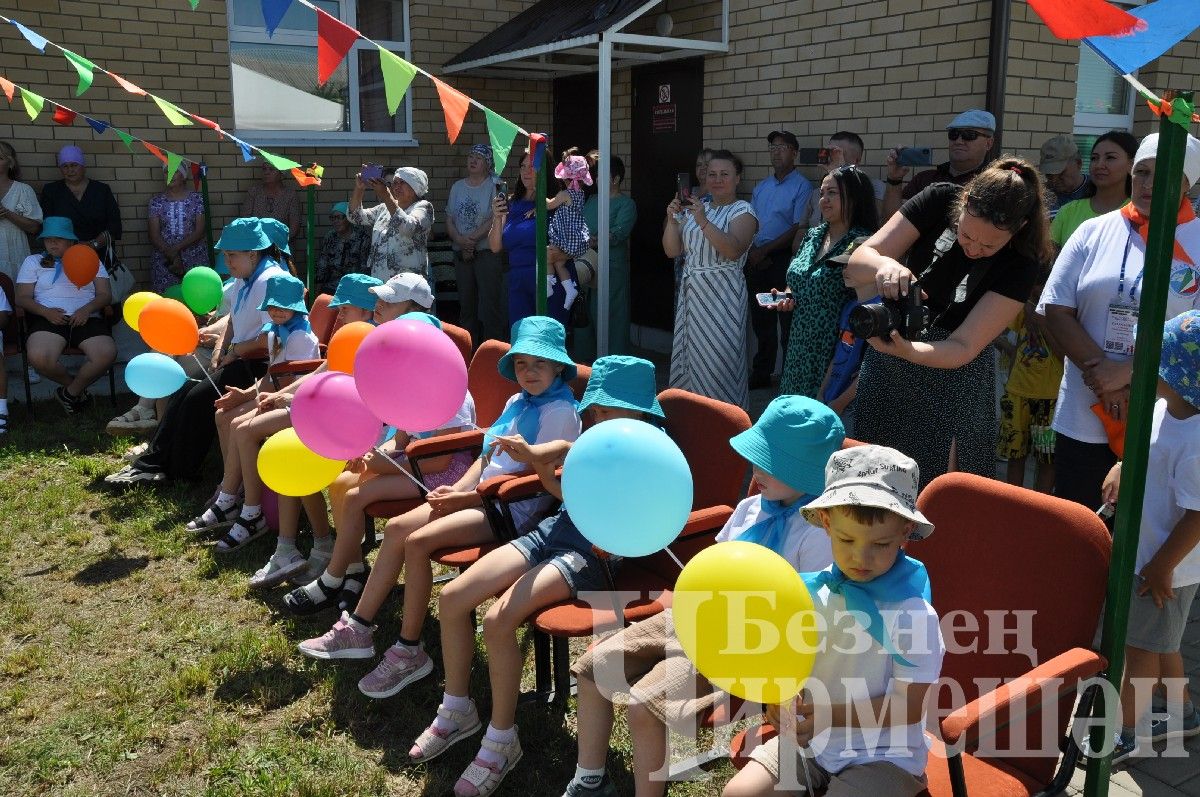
(298, 322)
(523, 417)
(770, 530)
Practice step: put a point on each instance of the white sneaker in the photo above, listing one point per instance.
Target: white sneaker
(571, 293)
(551, 281)
(32, 376)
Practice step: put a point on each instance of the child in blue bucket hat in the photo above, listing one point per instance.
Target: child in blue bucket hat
(1168, 563)
(788, 449)
(353, 298)
(289, 335)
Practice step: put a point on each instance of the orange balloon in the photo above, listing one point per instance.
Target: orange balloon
(169, 327)
(344, 345)
(81, 264)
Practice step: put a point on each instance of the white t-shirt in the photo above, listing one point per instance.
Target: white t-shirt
(464, 417)
(806, 546)
(300, 345)
(1172, 487)
(246, 318)
(51, 292)
(851, 666)
(469, 206)
(1086, 276)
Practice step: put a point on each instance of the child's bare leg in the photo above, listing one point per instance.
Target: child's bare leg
(351, 522)
(289, 518)
(595, 716)
(1174, 681)
(1141, 670)
(1015, 471)
(464, 527)
(649, 750)
(753, 781)
(251, 434)
(390, 560)
(318, 514)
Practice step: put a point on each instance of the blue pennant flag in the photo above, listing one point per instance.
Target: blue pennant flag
(97, 125)
(35, 39)
(273, 12)
(1168, 22)
(247, 155)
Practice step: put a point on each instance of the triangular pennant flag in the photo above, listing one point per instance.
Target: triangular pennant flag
(334, 40)
(279, 162)
(84, 67)
(454, 106)
(1077, 19)
(97, 125)
(173, 162)
(502, 134)
(128, 139)
(1168, 23)
(537, 146)
(304, 178)
(130, 87)
(247, 155)
(197, 171)
(33, 103)
(273, 12)
(37, 40)
(155, 151)
(63, 116)
(9, 88)
(194, 4)
(209, 123)
(398, 75)
(175, 115)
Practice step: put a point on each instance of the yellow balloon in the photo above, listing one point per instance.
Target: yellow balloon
(288, 467)
(745, 619)
(133, 307)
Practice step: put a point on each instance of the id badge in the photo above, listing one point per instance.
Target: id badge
(1119, 328)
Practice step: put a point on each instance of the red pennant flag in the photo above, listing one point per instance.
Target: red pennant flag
(155, 151)
(1077, 19)
(209, 123)
(130, 87)
(304, 178)
(454, 106)
(63, 116)
(334, 40)
(195, 170)
(9, 88)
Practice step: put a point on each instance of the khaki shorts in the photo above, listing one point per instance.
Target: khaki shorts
(880, 778)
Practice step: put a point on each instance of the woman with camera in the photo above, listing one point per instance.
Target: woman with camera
(927, 384)
(708, 355)
(399, 224)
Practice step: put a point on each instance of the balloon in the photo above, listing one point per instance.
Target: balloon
(410, 375)
(134, 305)
(331, 419)
(169, 327)
(627, 487)
(344, 345)
(270, 507)
(289, 468)
(745, 619)
(174, 292)
(201, 289)
(81, 264)
(153, 375)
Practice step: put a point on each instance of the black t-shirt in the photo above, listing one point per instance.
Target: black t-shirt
(95, 213)
(951, 295)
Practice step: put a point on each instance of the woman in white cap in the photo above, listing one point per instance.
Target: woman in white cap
(1091, 305)
(399, 225)
(89, 204)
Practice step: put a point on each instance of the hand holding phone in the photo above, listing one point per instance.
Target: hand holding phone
(372, 171)
(683, 187)
(771, 299)
(915, 156)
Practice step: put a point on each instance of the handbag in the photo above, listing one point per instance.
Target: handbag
(120, 279)
(580, 317)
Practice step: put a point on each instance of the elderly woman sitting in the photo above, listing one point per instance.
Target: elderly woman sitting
(399, 225)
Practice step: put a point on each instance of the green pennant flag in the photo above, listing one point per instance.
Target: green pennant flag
(280, 163)
(174, 114)
(502, 134)
(173, 162)
(84, 67)
(128, 139)
(33, 103)
(194, 3)
(398, 75)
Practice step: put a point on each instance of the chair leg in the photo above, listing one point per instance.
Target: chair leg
(562, 668)
(368, 533)
(25, 379)
(542, 665)
(1072, 753)
(112, 385)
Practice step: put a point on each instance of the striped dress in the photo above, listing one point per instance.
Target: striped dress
(708, 355)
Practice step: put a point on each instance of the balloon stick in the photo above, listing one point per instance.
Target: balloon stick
(205, 372)
(378, 450)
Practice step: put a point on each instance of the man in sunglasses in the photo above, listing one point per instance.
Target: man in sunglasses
(969, 137)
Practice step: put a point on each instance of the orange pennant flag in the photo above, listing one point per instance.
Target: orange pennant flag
(9, 88)
(155, 151)
(304, 178)
(125, 84)
(454, 105)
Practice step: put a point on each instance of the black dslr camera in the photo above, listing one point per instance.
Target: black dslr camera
(907, 314)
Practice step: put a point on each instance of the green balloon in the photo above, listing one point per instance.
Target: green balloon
(174, 292)
(202, 290)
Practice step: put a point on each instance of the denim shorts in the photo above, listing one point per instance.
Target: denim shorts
(558, 542)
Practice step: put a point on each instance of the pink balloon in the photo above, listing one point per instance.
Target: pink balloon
(331, 419)
(270, 507)
(411, 375)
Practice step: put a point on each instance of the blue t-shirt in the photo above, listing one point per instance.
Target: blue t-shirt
(847, 354)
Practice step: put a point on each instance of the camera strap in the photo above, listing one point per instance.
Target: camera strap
(971, 281)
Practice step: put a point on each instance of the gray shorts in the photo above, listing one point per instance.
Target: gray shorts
(1159, 630)
(880, 777)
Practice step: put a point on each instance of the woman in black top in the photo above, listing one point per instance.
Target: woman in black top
(89, 204)
(976, 252)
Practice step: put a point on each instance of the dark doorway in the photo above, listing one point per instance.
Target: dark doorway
(575, 114)
(667, 134)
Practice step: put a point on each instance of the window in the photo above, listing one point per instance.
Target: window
(276, 98)
(1103, 99)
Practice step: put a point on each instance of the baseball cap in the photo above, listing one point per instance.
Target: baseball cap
(403, 287)
(974, 118)
(1057, 153)
(874, 476)
(787, 136)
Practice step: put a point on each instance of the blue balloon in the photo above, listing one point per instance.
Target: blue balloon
(627, 487)
(153, 375)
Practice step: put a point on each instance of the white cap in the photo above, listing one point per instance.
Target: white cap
(1191, 155)
(403, 287)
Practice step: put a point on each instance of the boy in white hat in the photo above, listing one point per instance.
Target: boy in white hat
(403, 293)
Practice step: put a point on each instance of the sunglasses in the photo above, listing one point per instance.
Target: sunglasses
(965, 135)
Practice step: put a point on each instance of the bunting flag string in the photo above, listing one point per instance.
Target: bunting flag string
(174, 114)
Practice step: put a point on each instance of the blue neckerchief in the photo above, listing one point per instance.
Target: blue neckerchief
(906, 579)
(298, 321)
(58, 270)
(770, 530)
(248, 283)
(522, 415)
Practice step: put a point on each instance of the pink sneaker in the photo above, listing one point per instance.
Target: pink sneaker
(397, 669)
(343, 641)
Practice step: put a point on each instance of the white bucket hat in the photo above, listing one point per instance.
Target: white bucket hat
(872, 476)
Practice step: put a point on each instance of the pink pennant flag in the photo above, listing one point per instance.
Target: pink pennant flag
(125, 84)
(9, 88)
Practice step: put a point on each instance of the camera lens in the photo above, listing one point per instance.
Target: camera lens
(870, 321)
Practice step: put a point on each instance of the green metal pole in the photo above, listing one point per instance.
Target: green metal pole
(310, 248)
(1168, 174)
(539, 287)
(208, 224)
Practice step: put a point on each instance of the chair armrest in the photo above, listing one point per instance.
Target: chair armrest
(705, 521)
(295, 367)
(1029, 691)
(444, 444)
(524, 485)
(489, 488)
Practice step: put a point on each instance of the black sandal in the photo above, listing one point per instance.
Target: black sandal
(225, 517)
(243, 532)
(352, 588)
(3, 423)
(299, 602)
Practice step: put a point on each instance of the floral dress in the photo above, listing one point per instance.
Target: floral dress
(176, 221)
(399, 241)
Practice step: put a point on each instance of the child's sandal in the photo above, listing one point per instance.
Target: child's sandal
(482, 778)
(3, 423)
(433, 742)
(352, 589)
(225, 517)
(243, 532)
(300, 603)
(277, 570)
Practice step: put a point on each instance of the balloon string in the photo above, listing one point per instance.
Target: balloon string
(206, 376)
(675, 558)
(378, 450)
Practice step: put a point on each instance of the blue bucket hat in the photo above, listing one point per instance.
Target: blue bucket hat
(355, 290)
(792, 441)
(432, 320)
(538, 336)
(278, 233)
(243, 235)
(1179, 365)
(622, 382)
(58, 227)
(285, 292)
(341, 207)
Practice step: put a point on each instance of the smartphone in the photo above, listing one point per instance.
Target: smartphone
(812, 155)
(1106, 511)
(372, 171)
(771, 299)
(683, 186)
(915, 156)
(501, 189)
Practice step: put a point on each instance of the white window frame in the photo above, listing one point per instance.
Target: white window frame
(1094, 124)
(345, 138)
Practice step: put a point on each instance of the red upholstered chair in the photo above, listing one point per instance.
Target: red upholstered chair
(999, 554)
(323, 318)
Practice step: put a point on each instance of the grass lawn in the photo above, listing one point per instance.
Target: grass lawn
(133, 662)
